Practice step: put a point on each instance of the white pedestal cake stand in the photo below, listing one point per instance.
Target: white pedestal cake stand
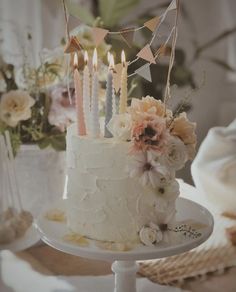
(124, 263)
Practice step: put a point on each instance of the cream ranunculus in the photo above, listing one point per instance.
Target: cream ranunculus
(150, 235)
(15, 106)
(176, 154)
(120, 126)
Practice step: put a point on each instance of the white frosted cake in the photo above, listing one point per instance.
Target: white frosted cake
(123, 189)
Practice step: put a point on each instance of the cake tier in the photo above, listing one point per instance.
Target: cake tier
(103, 201)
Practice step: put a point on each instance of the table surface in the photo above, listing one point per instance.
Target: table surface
(49, 261)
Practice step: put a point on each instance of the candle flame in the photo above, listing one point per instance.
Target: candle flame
(123, 60)
(75, 60)
(111, 62)
(86, 57)
(95, 59)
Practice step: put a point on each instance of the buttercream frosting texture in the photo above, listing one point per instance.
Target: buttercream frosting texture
(103, 201)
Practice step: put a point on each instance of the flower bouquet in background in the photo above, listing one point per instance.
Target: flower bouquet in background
(32, 110)
(37, 104)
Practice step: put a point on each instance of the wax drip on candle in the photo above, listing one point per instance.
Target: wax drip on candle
(79, 99)
(123, 91)
(95, 126)
(86, 93)
(109, 95)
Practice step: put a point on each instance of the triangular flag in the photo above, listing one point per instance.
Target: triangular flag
(128, 36)
(146, 54)
(172, 5)
(163, 50)
(73, 45)
(99, 35)
(145, 72)
(152, 23)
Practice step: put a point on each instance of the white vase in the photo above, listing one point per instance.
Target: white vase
(40, 176)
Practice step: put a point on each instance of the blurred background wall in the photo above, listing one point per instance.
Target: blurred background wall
(214, 104)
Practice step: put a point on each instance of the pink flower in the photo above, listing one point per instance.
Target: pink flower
(62, 113)
(149, 133)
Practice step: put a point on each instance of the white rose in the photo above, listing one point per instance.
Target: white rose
(150, 235)
(176, 154)
(120, 126)
(15, 106)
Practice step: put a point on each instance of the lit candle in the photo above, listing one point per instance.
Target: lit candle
(86, 92)
(95, 126)
(109, 95)
(79, 99)
(123, 90)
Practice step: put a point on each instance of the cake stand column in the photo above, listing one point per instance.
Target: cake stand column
(125, 275)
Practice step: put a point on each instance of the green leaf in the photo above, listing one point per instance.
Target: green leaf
(15, 142)
(3, 126)
(58, 142)
(112, 11)
(44, 143)
(80, 12)
(222, 64)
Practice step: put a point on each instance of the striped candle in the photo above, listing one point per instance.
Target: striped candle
(123, 90)
(109, 96)
(94, 118)
(86, 92)
(79, 99)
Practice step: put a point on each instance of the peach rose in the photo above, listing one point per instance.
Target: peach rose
(184, 129)
(148, 105)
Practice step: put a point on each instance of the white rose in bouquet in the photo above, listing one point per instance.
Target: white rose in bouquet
(15, 106)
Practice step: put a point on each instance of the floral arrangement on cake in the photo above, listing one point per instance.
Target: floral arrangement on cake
(160, 143)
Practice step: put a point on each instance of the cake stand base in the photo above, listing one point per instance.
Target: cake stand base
(124, 262)
(125, 275)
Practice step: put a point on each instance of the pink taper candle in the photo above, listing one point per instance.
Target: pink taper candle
(79, 99)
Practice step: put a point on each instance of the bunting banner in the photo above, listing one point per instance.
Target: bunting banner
(146, 54)
(99, 35)
(128, 36)
(163, 51)
(73, 45)
(145, 72)
(172, 6)
(152, 23)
